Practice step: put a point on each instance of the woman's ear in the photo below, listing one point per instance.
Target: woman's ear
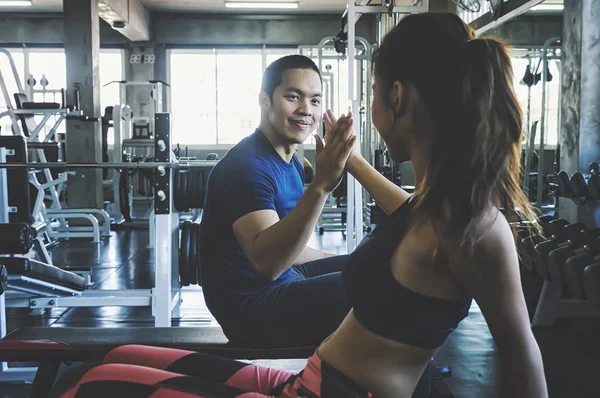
(398, 97)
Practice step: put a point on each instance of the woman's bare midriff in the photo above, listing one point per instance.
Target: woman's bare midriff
(384, 367)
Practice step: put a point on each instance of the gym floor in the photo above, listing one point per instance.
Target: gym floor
(571, 348)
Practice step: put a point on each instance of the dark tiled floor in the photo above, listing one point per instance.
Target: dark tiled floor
(571, 348)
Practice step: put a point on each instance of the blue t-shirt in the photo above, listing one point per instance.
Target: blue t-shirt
(252, 176)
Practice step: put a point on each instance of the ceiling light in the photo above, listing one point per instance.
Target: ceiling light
(548, 7)
(16, 3)
(261, 4)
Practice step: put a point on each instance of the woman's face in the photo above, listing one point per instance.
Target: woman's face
(394, 130)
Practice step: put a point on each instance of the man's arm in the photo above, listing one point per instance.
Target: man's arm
(273, 245)
(492, 279)
(388, 195)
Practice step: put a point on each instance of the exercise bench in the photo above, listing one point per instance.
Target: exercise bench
(52, 346)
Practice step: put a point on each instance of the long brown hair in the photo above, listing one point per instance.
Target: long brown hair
(467, 89)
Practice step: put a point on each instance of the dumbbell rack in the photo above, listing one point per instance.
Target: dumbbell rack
(567, 259)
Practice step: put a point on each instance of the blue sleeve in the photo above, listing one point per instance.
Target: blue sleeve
(252, 188)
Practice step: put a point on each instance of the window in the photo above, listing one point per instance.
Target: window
(194, 97)
(535, 101)
(238, 112)
(215, 100)
(274, 54)
(9, 79)
(51, 65)
(111, 69)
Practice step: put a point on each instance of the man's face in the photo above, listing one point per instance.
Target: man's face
(295, 111)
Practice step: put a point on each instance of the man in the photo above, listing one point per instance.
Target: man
(262, 283)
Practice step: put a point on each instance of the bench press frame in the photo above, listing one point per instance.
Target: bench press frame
(164, 297)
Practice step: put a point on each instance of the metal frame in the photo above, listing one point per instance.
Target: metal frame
(56, 211)
(164, 297)
(506, 10)
(352, 14)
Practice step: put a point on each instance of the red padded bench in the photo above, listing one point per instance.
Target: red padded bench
(52, 346)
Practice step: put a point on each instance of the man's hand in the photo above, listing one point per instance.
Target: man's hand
(330, 123)
(331, 158)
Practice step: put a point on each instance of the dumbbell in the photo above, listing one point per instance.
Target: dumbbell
(528, 240)
(575, 266)
(579, 186)
(593, 184)
(591, 283)
(563, 182)
(559, 231)
(585, 245)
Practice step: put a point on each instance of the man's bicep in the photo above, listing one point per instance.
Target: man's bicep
(250, 190)
(248, 227)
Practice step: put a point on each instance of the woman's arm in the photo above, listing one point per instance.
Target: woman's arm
(388, 195)
(492, 278)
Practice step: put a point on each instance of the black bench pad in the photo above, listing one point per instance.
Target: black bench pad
(43, 344)
(45, 272)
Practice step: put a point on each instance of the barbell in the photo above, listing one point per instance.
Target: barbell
(110, 165)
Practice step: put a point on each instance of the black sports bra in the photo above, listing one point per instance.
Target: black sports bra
(384, 306)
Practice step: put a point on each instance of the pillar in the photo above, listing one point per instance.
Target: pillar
(160, 73)
(83, 140)
(579, 136)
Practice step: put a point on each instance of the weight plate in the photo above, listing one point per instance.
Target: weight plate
(176, 189)
(184, 253)
(193, 255)
(3, 279)
(184, 190)
(198, 251)
(201, 190)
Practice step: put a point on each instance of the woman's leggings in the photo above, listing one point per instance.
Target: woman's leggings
(153, 372)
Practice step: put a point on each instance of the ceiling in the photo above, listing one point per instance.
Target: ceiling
(305, 6)
(190, 5)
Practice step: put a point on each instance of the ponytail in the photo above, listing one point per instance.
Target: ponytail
(466, 84)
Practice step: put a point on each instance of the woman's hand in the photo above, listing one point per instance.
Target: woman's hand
(330, 121)
(331, 157)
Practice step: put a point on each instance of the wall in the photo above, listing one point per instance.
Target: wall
(528, 31)
(45, 29)
(185, 30)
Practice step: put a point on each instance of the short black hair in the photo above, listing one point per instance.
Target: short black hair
(273, 74)
(109, 109)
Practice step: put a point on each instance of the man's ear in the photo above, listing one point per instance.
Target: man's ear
(264, 101)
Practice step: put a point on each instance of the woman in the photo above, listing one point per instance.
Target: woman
(445, 101)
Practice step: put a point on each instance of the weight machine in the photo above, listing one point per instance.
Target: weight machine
(354, 11)
(40, 139)
(134, 130)
(26, 291)
(548, 53)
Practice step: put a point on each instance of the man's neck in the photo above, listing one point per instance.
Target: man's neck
(285, 150)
